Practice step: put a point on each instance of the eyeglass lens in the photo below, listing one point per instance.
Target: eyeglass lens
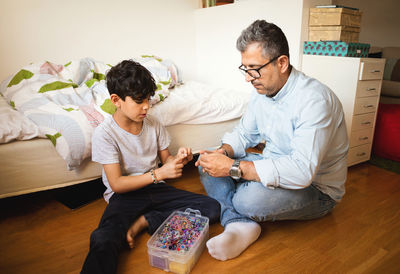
(251, 72)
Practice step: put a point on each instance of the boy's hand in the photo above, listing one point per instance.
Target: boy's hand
(185, 154)
(171, 169)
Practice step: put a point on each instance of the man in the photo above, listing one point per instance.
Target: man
(302, 170)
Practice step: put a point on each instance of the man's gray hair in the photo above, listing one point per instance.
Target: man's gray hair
(271, 38)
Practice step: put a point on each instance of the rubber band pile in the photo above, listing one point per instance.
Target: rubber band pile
(180, 233)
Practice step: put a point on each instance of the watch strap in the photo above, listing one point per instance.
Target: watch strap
(236, 163)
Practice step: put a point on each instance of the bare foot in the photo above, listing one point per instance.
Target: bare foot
(140, 224)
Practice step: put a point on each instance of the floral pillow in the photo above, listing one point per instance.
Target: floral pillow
(164, 72)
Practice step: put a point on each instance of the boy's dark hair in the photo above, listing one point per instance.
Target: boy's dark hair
(269, 35)
(129, 78)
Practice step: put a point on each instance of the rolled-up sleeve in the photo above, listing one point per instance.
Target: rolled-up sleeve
(267, 172)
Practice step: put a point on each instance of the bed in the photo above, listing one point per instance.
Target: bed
(48, 113)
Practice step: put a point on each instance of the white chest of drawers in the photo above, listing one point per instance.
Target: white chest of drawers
(357, 83)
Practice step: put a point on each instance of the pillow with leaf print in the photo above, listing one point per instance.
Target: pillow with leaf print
(165, 74)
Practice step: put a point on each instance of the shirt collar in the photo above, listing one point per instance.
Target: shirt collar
(288, 86)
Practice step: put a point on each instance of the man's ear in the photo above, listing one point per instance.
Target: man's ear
(115, 100)
(283, 62)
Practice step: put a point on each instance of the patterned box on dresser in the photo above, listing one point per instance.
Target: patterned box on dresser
(336, 48)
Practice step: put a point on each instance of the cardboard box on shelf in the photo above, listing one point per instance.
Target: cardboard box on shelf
(335, 17)
(333, 33)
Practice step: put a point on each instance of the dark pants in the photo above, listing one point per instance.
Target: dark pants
(156, 202)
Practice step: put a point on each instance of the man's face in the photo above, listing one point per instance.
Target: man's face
(269, 83)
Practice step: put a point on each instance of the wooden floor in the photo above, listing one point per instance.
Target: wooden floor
(362, 235)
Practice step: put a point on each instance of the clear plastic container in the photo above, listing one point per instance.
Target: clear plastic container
(179, 241)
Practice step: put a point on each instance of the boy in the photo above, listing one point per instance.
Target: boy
(129, 145)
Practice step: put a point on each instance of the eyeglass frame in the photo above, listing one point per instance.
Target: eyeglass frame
(244, 71)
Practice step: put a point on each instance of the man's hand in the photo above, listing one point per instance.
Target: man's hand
(218, 150)
(215, 163)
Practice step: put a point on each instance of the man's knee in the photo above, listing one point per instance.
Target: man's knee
(251, 199)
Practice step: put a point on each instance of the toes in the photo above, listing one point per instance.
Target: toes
(130, 239)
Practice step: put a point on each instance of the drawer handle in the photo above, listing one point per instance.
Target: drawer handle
(363, 138)
(371, 89)
(368, 106)
(366, 123)
(361, 154)
(375, 71)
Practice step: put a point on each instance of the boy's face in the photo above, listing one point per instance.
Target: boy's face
(130, 109)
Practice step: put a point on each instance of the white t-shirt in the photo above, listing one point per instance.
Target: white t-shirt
(136, 154)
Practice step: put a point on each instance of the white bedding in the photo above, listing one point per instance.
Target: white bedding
(198, 103)
(66, 102)
(14, 125)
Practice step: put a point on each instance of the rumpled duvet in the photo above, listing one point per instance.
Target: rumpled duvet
(66, 102)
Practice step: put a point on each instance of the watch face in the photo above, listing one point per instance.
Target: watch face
(235, 173)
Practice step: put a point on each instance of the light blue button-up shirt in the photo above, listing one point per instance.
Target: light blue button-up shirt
(305, 133)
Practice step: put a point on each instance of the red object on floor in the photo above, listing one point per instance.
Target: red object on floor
(387, 132)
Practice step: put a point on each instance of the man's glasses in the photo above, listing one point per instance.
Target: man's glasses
(255, 73)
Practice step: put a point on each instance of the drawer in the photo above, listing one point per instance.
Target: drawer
(368, 88)
(366, 104)
(359, 154)
(363, 121)
(371, 70)
(360, 137)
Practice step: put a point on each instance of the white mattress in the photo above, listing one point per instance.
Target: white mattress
(34, 165)
(204, 136)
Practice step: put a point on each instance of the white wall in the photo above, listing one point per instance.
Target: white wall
(217, 29)
(380, 21)
(202, 42)
(109, 31)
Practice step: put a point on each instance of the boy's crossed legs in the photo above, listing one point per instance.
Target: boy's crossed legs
(149, 207)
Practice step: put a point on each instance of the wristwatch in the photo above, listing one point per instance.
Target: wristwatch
(235, 171)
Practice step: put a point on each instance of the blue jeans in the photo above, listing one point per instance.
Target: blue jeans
(248, 201)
